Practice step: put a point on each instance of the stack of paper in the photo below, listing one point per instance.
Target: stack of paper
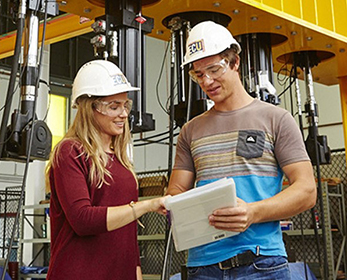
(189, 213)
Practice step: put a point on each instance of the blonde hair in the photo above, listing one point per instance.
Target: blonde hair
(85, 130)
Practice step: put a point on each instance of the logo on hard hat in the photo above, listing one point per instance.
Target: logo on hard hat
(119, 79)
(195, 47)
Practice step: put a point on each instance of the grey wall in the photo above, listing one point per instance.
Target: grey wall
(155, 156)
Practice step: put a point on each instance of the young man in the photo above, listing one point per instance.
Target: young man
(251, 141)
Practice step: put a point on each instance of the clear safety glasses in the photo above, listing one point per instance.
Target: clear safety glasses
(213, 71)
(113, 108)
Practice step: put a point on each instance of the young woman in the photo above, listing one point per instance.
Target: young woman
(93, 207)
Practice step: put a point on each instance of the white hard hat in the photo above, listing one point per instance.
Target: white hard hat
(208, 38)
(99, 78)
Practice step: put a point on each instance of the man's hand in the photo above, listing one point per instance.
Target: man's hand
(236, 219)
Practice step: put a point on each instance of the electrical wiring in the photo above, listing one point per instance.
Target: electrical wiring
(153, 136)
(159, 78)
(168, 100)
(155, 142)
(283, 71)
(49, 100)
(15, 89)
(290, 82)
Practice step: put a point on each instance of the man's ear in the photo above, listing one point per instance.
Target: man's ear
(237, 63)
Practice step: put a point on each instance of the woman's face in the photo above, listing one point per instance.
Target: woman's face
(111, 113)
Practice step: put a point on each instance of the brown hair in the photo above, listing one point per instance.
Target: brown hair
(231, 55)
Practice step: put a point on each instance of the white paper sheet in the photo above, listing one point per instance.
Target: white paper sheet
(189, 213)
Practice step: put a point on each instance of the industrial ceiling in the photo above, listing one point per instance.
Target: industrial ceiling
(304, 25)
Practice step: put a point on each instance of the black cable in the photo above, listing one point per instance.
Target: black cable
(153, 136)
(286, 88)
(285, 80)
(156, 142)
(49, 100)
(16, 87)
(159, 78)
(282, 81)
(291, 96)
(168, 99)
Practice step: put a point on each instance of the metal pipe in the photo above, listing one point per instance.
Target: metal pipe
(255, 66)
(313, 121)
(181, 61)
(250, 88)
(166, 269)
(172, 99)
(310, 99)
(298, 102)
(31, 40)
(139, 71)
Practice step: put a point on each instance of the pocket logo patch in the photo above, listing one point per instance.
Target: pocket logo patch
(251, 139)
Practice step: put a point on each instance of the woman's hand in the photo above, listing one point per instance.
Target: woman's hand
(157, 205)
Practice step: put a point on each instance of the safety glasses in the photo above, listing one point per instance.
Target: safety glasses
(113, 108)
(213, 71)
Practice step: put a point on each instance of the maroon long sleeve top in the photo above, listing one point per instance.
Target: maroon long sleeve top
(81, 246)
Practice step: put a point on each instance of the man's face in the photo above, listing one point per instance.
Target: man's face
(218, 87)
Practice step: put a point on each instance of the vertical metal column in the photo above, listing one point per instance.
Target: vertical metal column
(30, 63)
(298, 101)
(129, 37)
(339, 219)
(313, 122)
(172, 101)
(328, 236)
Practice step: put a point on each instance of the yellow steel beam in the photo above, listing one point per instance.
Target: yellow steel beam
(58, 29)
(325, 17)
(293, 19)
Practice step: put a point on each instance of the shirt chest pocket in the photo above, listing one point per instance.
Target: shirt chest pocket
(250, 143)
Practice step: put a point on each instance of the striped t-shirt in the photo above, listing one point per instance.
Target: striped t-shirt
(250, 145)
